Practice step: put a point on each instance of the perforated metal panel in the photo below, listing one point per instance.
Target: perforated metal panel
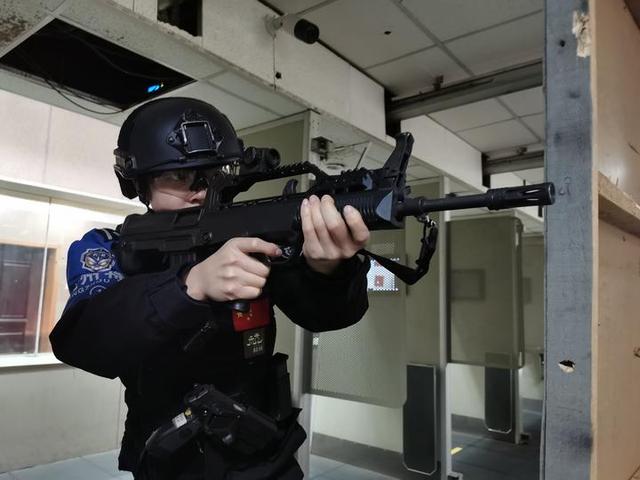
(367, 362)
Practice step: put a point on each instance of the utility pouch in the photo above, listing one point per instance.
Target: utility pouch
(280, 407)
(221, 419)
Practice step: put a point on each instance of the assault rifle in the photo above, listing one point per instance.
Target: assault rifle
(154, 242)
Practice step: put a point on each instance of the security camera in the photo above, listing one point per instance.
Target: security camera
(298, 27)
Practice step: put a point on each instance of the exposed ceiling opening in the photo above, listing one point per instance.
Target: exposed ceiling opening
(79, 64)
(184, 14)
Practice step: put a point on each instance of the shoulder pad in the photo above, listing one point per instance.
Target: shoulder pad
(108, 234)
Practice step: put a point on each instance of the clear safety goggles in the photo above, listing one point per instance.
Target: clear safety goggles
(188, 178)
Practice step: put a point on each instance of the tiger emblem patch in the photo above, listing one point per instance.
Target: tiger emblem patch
(97, 260)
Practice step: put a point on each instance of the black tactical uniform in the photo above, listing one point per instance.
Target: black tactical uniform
(135, 327)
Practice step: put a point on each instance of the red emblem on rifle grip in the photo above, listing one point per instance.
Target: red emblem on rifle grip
(257, 316)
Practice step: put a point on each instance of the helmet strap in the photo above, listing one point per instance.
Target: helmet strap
(142, 187)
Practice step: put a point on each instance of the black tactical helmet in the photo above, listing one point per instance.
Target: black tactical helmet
(169, 134)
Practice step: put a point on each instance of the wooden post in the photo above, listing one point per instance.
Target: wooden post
(593, 242)
(615, 74)
(567, 430)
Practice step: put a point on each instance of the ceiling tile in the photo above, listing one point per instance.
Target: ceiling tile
(452, 18)
(500, 47)
(498, 136)
(50, 5)
(472, 115)
(241, 114)
(263, 96)
(525, 102)
(416, 72)
(421, 171)
(358, 33)
(536, 123)
(17, 19)
(294, 6)
(126, 3)
(379, 152)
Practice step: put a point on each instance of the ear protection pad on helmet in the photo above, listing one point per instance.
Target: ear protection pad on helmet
(127, 187)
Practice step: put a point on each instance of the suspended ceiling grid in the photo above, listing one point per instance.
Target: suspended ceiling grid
(405, 45)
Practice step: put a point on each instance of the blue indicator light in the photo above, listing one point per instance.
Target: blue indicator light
(154, 88)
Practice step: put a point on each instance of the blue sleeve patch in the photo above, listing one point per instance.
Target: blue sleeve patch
(92, 265)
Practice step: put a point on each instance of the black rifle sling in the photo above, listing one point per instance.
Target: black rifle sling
(403, 272)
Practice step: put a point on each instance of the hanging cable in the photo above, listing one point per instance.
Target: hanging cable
(59, 91)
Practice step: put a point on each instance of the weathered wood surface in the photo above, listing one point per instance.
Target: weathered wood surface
(567, 435)
(616, 207)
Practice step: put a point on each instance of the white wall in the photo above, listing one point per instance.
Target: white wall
(466, 384)
(310, 74)
(531, 381)
(358, 422)
(55, 412)
(44, 144)
(442, 149)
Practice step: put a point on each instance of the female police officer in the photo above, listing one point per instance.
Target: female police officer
(134, 326)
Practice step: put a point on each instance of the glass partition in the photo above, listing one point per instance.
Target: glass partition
(35, 234)
(485, 300)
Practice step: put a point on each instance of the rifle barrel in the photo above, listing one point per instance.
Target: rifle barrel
(493, 199)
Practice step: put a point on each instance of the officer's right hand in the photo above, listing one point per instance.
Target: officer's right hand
(231, 273)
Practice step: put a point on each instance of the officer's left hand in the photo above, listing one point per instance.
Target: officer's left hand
(330, 237)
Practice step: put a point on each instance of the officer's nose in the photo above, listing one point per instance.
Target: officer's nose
(198, 197)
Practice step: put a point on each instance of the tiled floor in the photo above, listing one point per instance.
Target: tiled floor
(477, 456)
(322, 468)
(103, 466)
(480, 458)
(483, 458)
